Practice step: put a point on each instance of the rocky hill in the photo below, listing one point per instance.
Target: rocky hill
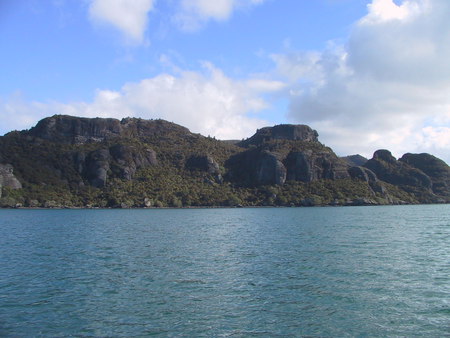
(67, 161)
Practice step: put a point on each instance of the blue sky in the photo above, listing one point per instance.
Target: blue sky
(366, 74)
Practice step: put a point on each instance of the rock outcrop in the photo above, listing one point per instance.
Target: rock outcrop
(7, 178)
(97, 167)
(270, 170)
(294, 132)
(368, 176)
(308, 166)
(286, 152)
(80, 130)
(398, 173)
(203, 163)
(67, 161)
(363, 174)
(128, 159)
(206, 164)
(436, 169)
(354, 160)
(121, 160)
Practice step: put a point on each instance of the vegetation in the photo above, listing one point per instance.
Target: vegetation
(53, 176)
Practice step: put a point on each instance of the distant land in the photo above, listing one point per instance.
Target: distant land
(72, 162)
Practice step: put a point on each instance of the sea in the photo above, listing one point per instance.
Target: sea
(379, 271)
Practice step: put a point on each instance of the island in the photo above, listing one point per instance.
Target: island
(74, 162)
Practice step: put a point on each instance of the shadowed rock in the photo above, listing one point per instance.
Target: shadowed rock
(203, 163)
(97, 166)
(388, 169)
(435, 168)
(354, 160)
(128, 160)
(270, 170)
(308, 166)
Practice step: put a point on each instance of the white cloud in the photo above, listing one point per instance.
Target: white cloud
(385, 10)
(192, 14)
(387, 87)
(206, 102)
(129, 17)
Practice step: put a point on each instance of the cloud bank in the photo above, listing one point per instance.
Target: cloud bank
(387, 87)
(206, 102)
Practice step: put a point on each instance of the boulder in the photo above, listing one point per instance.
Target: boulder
(147, 202)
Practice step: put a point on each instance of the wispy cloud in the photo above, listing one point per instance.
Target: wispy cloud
(129, 17)
(193, 14)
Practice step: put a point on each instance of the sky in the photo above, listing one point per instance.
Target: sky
(366, 74)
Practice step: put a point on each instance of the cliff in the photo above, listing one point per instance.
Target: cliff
(79, 130)
(67, 161)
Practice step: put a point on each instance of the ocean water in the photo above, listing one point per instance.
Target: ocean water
(328, 272)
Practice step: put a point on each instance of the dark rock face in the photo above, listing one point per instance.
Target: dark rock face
(128, 159)
(308, 166)
(282, 132)
(79, 130)
(121, 160)
(97, 167)
(301, 157)
(203, 163)
(75, 129)
(270, 170)
(435, 168)
(388, 169)
(367, 175)
(7, 178)
(384, 155)
(300, 166)
(262, 167)
(79, 159)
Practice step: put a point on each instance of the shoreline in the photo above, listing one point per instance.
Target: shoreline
(218, 207)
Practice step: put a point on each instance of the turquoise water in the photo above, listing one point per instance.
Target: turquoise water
(333, 272)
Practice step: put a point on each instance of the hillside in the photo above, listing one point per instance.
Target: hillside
(67, 161)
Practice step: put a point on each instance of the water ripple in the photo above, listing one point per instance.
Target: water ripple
(328, 272)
